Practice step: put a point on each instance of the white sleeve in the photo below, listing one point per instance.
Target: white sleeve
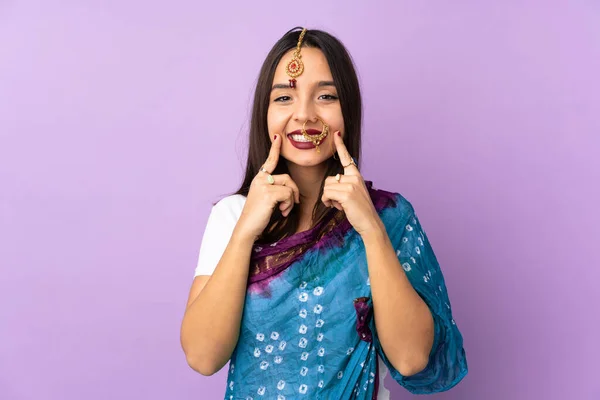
(219, 227)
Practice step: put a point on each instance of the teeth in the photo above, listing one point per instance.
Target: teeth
(300, 138)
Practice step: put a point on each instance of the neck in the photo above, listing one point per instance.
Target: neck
(309, 181)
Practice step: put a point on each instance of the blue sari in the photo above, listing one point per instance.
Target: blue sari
(308, 329)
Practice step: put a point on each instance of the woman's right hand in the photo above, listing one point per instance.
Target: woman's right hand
(263, 197)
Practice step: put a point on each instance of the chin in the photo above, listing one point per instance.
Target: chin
(306, 160)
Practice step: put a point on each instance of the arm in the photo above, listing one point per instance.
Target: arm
(404, 321)
(211, 323)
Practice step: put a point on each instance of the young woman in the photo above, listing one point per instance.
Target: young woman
(310, 281)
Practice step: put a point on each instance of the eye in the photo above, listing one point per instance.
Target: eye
(282, 98)
(328, 97)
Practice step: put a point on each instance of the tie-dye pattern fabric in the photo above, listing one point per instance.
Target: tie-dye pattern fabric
(308, 329)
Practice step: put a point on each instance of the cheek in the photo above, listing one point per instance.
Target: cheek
(276, 121)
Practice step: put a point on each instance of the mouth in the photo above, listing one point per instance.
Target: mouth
(299, 141)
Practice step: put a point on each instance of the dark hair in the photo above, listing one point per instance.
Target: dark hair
(346, 82)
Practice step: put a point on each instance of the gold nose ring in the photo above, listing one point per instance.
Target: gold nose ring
(316, 139)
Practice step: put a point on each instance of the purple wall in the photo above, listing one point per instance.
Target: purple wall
(121, 121)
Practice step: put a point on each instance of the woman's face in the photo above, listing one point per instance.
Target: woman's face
(314, 96)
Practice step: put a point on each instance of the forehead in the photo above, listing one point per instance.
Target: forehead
(316, 67)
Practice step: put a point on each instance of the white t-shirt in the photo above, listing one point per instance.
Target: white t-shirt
(219, 228)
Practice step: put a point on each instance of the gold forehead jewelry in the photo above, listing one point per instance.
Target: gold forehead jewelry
(316, 139)
(295, 67)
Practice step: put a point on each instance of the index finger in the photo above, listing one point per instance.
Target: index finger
(273, 158)
(345, 157)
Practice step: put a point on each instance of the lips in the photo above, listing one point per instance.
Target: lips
(303, 145)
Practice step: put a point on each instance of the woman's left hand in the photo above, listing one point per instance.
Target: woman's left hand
(350, 194)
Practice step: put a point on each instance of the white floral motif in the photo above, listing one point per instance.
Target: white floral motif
(340, 375)
(319, 323)
(278, 359)
(404, 239)
(318, 308)
(231, 385)
(274, 335)
(417, 250)
(420, 241)
(260, 337)
(264, 365)
(427, 276)
(280, 397)
(257, 352)
(303, 313)
(303, 371)
(349, 351)
(304, 356)
(280, 385)
(321, 352)
(321, 368)
(398, 252)
(282, 345)
(303, 388)
(303, 285)
(303, 297)
(302, 343)
(409, 228)
(319, 337)
(269, 348)
(318, 291)
(261, 390)
(406, 266)
(321, 383)
(247, 398)
(302, 329)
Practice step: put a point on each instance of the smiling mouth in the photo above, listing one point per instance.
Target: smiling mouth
(297, 134)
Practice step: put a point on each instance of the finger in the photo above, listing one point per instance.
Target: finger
(282, 197)
(344, 155)
(331, 203)
(273, 158)
(334, 198)
(287, 205)
(286, 180)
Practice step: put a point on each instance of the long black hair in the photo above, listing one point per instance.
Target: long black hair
(348, 90)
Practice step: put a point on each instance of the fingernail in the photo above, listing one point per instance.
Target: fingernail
(275, 138)
(339, 133)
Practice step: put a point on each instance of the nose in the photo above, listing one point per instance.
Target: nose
(305, 111)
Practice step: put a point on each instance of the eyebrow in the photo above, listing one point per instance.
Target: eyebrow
(287, 85)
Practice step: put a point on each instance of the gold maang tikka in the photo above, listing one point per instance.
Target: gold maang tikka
(316, 139)
(295, 67)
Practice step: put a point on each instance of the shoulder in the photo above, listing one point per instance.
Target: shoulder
(232, 202)
(391, 202)
(229, 208)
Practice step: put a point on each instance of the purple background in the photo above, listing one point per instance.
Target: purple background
(121, 121)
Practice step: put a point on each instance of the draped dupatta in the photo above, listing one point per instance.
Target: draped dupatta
(308, 329)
